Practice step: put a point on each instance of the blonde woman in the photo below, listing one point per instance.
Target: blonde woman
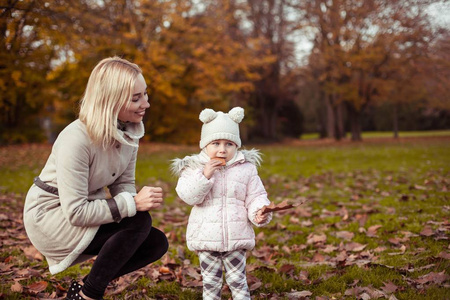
(67, 215)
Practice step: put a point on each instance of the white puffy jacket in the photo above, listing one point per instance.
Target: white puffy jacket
(225, 205)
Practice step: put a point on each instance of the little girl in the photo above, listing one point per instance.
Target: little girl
(227, 195)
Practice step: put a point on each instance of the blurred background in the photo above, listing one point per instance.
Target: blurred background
(334, 68)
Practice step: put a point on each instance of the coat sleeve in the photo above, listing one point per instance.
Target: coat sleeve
(193, 186)
(72, 173)
(256, 198)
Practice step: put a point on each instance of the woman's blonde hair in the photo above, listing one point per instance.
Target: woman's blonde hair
(110, 86)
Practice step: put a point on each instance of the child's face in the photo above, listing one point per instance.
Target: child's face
(221, 148)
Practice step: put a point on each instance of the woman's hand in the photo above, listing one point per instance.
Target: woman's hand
(148, 198)
(210, 167)
(260, 218)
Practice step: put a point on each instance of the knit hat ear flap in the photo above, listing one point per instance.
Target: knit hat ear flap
(236, 114)
(207, 115)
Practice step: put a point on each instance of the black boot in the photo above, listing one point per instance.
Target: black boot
(74, 291)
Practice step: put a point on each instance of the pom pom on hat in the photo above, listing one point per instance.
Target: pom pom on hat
(207, 115)
(221, 126)
(236, 114)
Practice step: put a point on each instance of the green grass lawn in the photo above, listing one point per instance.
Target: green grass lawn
(389, 134)
(374, 224)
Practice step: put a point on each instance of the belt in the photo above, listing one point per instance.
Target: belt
(53, 190)
(48, 188)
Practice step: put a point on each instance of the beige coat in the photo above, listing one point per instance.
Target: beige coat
(61, 227)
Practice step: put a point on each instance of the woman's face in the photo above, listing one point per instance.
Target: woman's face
(221, 148)
(135, 111)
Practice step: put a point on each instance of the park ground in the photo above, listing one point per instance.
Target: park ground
(372, 222)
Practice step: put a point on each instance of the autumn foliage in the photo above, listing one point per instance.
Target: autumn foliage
(220, 54)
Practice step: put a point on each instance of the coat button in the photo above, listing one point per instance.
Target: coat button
(117, 146)
(113, 174)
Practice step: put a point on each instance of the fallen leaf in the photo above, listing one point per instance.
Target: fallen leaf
(372, 231)
(17, 287)
(276, 207)
(316, 238)
(389, 287)
(436, 278)
(37, 287)
(287, 268)
(346, 235)
(427, 231)
(298, 295)
(32, 253)
(164, 270)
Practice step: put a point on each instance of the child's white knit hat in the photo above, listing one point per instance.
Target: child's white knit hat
(218, 126)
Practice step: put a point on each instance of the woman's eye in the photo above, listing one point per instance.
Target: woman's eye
(135, 99)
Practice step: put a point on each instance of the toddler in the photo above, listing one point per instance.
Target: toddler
(222, 184)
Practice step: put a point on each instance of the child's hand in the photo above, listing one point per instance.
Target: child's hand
(210, 167)
(260, 218)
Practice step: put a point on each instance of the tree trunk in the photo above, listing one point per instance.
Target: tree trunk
(330, 117)
(395, 120)
(340, 131)
(355, 122)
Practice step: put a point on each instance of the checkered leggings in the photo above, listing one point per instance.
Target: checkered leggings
(212, 263)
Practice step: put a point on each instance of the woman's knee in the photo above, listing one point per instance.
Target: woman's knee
(159, 240)
(142, 221)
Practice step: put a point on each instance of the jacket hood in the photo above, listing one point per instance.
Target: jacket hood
(252, 156)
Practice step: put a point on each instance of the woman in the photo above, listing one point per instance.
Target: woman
(67, 215)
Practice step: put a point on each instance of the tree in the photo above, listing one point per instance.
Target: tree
(356, 49)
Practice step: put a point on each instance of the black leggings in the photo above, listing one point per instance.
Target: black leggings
(122, 248)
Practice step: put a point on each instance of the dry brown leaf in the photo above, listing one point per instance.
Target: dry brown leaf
(346, 235)
(389, 287)
(287, 268)
(427, 231)
(444, 254)
(276, 207)
(436, 278)
(164, 270)
(299, 295)
(372, 230)
(316, 238)
(37, 287)
(17, 287)
(32, 253)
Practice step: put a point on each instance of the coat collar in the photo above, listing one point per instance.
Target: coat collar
(130, 134)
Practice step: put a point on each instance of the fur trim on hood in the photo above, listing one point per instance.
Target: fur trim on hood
(177, 166)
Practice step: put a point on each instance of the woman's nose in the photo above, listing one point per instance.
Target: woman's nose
(146, 104)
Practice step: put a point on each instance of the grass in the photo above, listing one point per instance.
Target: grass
(402, 187)
(389, 134)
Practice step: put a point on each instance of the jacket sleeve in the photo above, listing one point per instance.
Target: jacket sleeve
(256, 198)
(72, 173)
(193, 186)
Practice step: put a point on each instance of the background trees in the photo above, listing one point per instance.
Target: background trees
(371, 61)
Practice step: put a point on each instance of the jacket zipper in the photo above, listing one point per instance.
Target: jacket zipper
(224, 198)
